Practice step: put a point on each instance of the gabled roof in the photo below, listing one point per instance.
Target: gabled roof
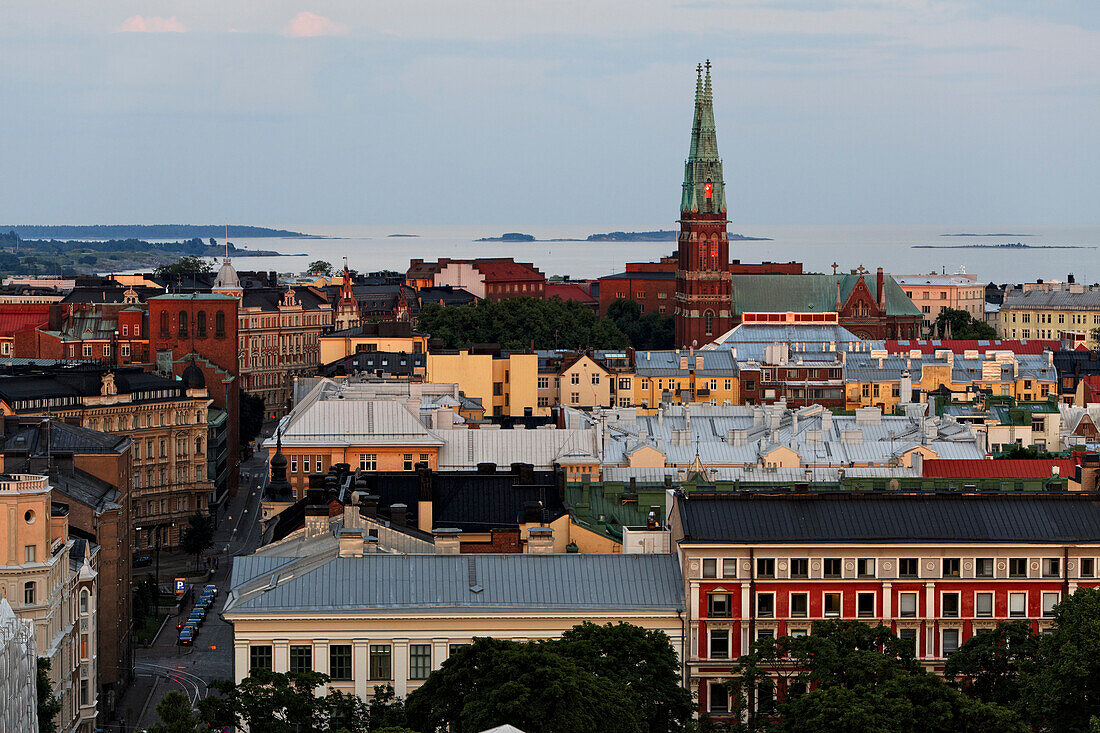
(569, 291)
(810, 293)
(877, 518)
(507, 270)
(383, 584)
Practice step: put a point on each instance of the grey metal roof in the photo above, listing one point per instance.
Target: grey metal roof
(1061, 299)
(382, 583)
(876, 518)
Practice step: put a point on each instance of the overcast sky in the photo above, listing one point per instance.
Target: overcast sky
(571, 112)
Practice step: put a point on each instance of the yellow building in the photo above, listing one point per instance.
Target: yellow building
(684, 376)
(506, 384)
(390, 336)
(1045, 314)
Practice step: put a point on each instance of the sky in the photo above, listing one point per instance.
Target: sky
(548, 112)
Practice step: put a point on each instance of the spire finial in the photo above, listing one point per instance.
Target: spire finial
(698, 83)
(706, 83)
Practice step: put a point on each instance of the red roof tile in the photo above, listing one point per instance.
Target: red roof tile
(13, 323)
(507, 270)
(1008, 468)
(569, 291)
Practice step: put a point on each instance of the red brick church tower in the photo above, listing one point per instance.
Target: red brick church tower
(704, 303)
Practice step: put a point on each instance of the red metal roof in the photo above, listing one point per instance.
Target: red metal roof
(569, 291)
(13, 323)
(957, 346)
(507, 270)
(1008, 468)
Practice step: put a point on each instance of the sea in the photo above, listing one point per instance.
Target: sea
(894, 248)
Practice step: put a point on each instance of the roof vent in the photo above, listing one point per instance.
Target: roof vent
(471, 568)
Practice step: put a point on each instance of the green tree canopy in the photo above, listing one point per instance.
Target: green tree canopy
(319, 267)
(517, 323)
(649, 331)
(848, 677)
(177, 716)
(184, 266)
(988, 665)
(963, 325)
(198, 535)
(529, 685)
(48, 705)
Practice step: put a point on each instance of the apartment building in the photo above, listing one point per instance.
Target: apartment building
(934, 569)
(382, 629)
(1048, 314)
(506, 384)
(51, 579)
(934, 292)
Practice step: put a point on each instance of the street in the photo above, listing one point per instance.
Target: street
(165, 666)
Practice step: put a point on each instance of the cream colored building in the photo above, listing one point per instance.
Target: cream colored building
(934, 292)
(356, 616)
(1046, 314)
(505, 383)
(50, 579)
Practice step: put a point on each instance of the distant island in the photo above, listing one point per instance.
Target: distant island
(73, 256)
(661, 235)
(1013, 245)
(148, 231)
(967, 234)
(402, 235)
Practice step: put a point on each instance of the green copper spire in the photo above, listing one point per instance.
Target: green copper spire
(704, 189)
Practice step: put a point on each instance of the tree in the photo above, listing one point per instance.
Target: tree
(1061, 683)
(48, 705)
(963, 325)
(189, 265)
(988, 665)
(848, 677)
(649, 331)
(198, 535)
(177, 716)
(319, 267)
(251, 416)
(529, 685)
(643, 661)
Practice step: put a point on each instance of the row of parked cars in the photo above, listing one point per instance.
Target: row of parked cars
(189, 629)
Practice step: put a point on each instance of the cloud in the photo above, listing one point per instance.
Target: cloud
(141, 24)
(308, 25)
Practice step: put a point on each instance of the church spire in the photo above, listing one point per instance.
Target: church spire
(704, 189)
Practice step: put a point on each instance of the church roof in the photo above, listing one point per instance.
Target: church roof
(227, 277)
(703, 168)
(811, 293)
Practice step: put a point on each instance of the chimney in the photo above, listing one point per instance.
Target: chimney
(448, 541)
(540, 541)
(654, 519)
(398, 514)
(316, 523)
(369, 506)
(880, 282)
(424, 500)
(351, 542)
(532, 511)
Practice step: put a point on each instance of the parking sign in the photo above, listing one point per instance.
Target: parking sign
(181, 585)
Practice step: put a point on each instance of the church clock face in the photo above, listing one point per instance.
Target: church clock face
(708, 187)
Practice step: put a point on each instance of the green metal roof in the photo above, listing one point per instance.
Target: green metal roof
(814, 293)
(703, 164)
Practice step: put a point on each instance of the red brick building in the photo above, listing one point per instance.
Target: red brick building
(494, 278)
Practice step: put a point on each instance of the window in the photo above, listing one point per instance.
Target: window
(1050, 600)
(1017, 567)
(765, 605)
(301, 658)
(339, 661)
(260, 657)
(420, 661)
(29, 593)
(832, 567)
(83, 692)
(983, 605)
(1052, 567)
(719, 644)
(909, 635)
(86, 350)
(950, 567)
(29, 553)
(182, 323)
(718, 605)
(710, 567)
(164, 323)
(983, 567)
(950, 641)
(219, 324)
(574, 378)
(865, 605)
(719, 698)
(831, 605)
(907, 605)
(729, 567)
(865, 567)
(1017, 605)
(574, 398)
(1088, 567)
(949, 605)
(407, 461)
(595, 379)
(765, 567)
(800, 605)
(294, 464)
(544, 382)
(453, 649)
(800, 567)
(84, 597)
(798, 632)
(544, 401)
(125, 349)
(380, 658)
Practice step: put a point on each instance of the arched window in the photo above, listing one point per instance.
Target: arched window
(198, 446)
(219, 324)
(29, 593)
(200, 324)
(183, 323)
(84, 601)
(164, 323)
(708, 322)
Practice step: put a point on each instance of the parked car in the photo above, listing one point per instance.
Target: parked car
(210, 588)
(195, 618)
(186, 637)
(143, 560)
